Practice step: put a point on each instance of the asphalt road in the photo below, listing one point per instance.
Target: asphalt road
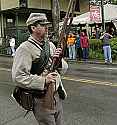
(92, 97)
(101, 72)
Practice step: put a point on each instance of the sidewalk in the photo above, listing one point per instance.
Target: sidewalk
(6, 61)
(92, 61)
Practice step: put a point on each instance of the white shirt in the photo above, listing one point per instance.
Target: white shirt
(12, 42)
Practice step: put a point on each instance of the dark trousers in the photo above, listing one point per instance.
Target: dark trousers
(79, 53)
(85, 54)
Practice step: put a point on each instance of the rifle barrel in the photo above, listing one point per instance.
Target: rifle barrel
(71, 7)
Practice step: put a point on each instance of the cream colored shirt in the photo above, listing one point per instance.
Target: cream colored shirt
(25, 54)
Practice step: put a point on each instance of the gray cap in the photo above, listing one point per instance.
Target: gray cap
(41, 17)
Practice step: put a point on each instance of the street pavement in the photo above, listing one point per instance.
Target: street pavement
(6, 61)
(9, 108)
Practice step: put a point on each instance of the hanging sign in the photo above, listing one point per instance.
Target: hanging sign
(95, 13)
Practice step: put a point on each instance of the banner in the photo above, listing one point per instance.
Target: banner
(95, 13)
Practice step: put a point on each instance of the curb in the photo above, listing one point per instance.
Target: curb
(3, 55)
(91, 62)
(101, 62)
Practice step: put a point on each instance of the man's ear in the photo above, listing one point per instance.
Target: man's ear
(32, 27)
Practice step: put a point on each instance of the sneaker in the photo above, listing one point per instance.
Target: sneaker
(106, 61)
(110, 61)
(13, 54)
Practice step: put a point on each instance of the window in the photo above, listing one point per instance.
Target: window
(22, 3)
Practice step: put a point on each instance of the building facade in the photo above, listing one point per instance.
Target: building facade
(14, 13)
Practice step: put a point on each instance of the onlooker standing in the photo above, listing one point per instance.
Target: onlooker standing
(78, 48)
(97, 33)
(8, 45)
(106, 46)
(84, 45)
(71, 46)
(12, 45)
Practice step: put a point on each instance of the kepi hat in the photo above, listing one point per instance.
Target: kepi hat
(41, 17)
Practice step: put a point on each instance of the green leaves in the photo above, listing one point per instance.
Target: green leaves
(96, 49)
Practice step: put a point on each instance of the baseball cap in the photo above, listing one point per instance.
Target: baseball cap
(41, 17)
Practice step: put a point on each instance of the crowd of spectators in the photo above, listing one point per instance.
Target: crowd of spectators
(77, 46)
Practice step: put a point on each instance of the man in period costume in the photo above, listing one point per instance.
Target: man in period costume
(27, 75)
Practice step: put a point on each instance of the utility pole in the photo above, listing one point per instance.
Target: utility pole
(102, 11)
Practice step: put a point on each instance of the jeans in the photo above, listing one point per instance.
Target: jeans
(85, 54)
(72, 52)
(79, 53)
(107, 54)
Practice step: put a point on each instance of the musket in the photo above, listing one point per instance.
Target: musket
(70, 22)
(61, 42)
(71, 18)
(49, 97)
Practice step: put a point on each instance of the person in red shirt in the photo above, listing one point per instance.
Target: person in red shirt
(84, 41)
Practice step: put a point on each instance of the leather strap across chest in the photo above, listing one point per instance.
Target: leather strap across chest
(39, 63)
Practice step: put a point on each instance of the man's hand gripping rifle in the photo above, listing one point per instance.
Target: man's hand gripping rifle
(51, 82)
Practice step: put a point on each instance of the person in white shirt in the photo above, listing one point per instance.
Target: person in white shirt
(12, 45)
